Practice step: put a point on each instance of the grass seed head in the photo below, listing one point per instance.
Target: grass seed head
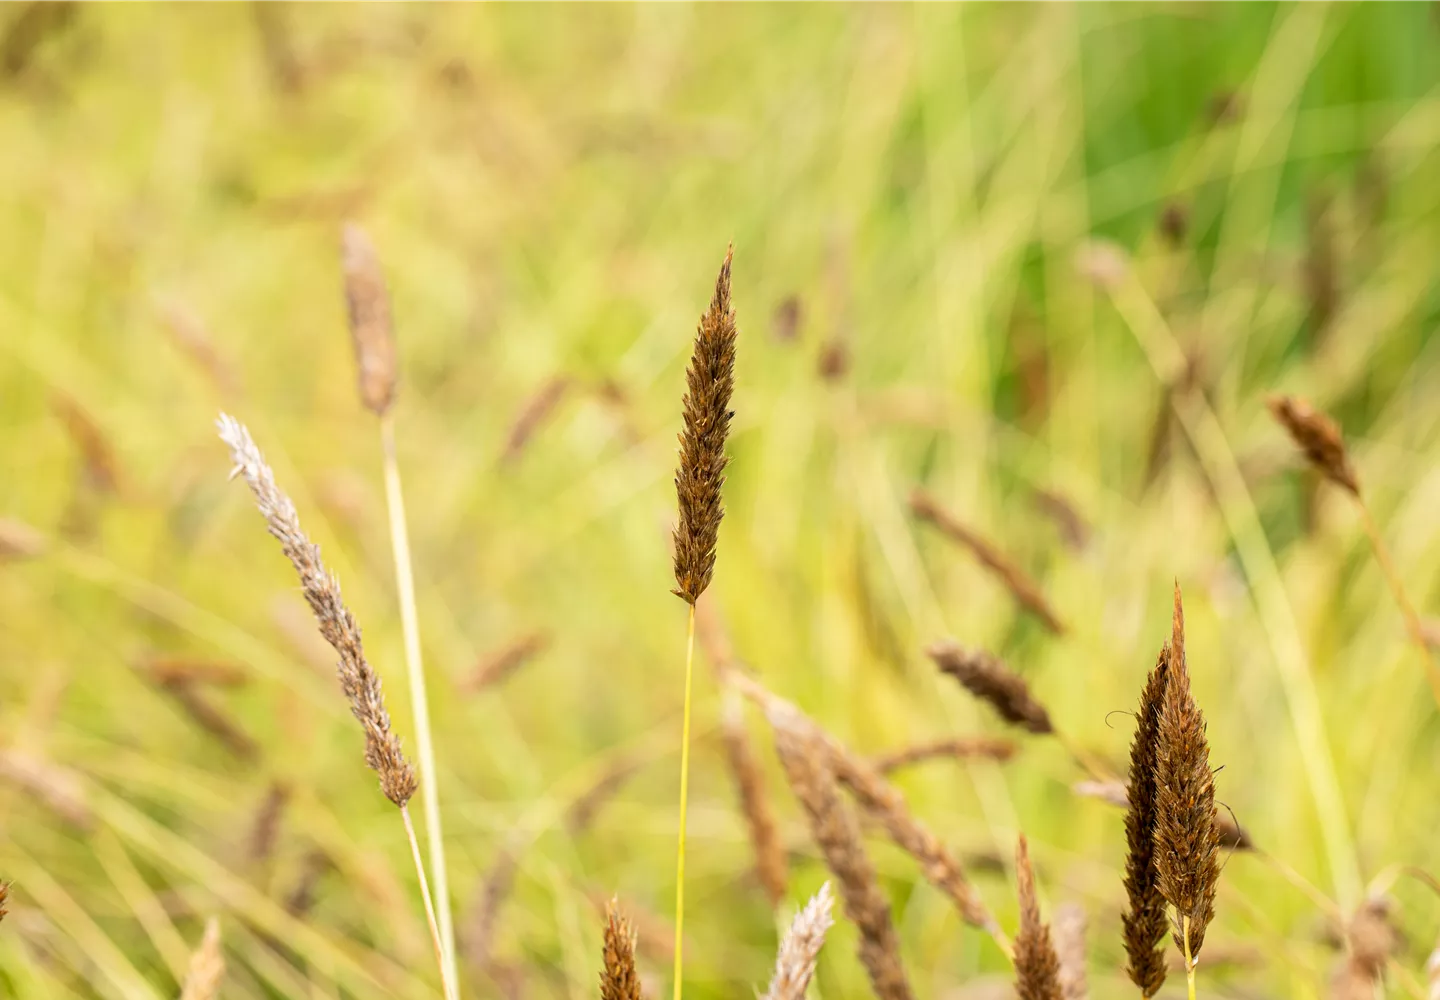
(619, 980)
(1144, 921)
(1187, 838)
(372, 330)
(795, 963)
(1037, 967)
(1318, 437)
(709, 382)
(358, 680)
(986, 677)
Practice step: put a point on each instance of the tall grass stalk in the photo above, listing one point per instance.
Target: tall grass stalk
(420, 706)
(684, 803)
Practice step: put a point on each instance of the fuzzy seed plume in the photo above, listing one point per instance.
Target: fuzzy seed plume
(618, 979)
(207, 966)
(1187, 838)
(795, 964)
(1370, 940)
(770, 863)
(1068, 930)
(371, 329)
(960, 748)
(1318, 437)
(358, 680)
(1037, 967)
(709, 382)
(1144, 920)
(1024, 589)
(882, 802)
(986, 677)
(837, 834)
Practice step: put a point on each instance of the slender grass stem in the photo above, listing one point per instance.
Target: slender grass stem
(684, 804)
(419, 702)
(1392, 577)
(446, 983)
(1189, 960)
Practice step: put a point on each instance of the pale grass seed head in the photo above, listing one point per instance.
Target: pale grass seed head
(358, 679)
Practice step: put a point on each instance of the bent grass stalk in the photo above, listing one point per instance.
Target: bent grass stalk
(419, 699)
(372, 332)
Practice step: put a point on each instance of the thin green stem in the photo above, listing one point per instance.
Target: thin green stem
(684, 804)
(447, 984)
(1392, 577)
(419, 701)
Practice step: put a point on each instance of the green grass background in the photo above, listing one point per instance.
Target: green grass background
(552, 190)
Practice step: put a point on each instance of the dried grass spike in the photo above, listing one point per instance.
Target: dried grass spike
(987, 678)
(1024, 589)
(207, 966)
(1187, 838)
(371, 328)
(1037, 967)
(709, 381)
(1068, 930)
(961, 748)
(1144, 921)
(1318, 437)
(795, 964)
(619, 980)
(803, 756)
(770, 863)
(1370, 939)
(5, 898)
(337, 625)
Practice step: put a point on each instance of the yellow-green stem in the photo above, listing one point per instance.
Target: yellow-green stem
(684, 804)
(446, 983)
(1189, 960)
(1392, 577)
(419, 700)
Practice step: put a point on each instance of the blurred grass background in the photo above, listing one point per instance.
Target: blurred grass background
(552, 189)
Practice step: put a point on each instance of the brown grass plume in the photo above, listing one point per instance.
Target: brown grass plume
(771, 866)
(371, 328)
(619, 980)
(1370, 940)
(1187, 839)
(1144, 920)
(1037, 967)
(322, 591)
(986, 677)
(958, 748)
(1318, 437)
(1024, 589)
(836, 832)
(709, 381)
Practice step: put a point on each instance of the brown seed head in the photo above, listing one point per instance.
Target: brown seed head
(804, 757)
(1370, 940)
(987, 678)
(371, 328)
(337, 625)
(1318, 437)
(619, 980)
(960, 748)
(1024, 589)
(1187, 838)
(506, 661)
(709, 381)
(795, 964)
(771, 865)
(1144, 920)
(4, 898)
(1037, 967)
(207, 966)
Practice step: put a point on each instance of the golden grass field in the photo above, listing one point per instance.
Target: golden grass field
(1000, 253)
